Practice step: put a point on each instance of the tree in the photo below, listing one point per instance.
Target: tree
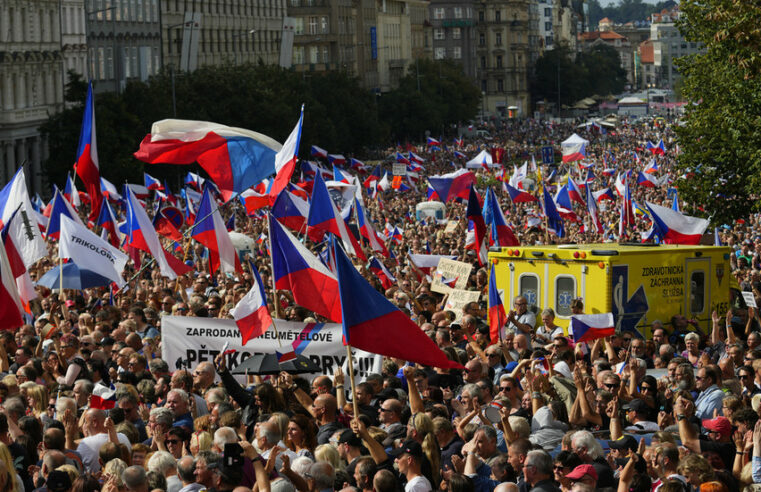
(556, 66)
(720, 139)
(605, 75)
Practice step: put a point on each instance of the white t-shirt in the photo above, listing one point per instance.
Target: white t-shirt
(418, 484)
(89, 448)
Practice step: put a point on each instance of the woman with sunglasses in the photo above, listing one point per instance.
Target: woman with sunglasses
(564, 463)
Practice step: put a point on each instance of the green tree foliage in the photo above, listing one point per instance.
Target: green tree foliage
(720, 139)
(625, 11)
(445, 96)
(339, 115)
(594, 71)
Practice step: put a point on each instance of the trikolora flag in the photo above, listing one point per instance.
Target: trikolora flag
(89, 251)
(251, 313)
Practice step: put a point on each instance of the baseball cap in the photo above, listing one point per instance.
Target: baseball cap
(409, 447)
(349, 437)
(637, 405)
(58, 481)
(623, 442)
(581, 470)
(719, 424)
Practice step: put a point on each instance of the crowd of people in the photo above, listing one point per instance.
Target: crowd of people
(530, 412)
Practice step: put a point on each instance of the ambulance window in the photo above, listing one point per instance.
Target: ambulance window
(697, 292)
(565, 292)
(528, 287)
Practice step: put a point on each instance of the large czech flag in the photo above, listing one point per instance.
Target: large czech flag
(453, 185)
(87, 166)
(589, 327)
(676, 228)
(234, 158)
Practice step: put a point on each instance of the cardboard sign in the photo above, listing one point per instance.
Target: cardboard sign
(459, 298)
(399, 169)
(451, 227)
(450, 270)
(188, 341)
(750, 300)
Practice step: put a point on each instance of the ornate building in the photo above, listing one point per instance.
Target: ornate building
(31, 83)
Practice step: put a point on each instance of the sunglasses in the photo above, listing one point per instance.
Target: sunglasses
(173, 441)
(607, 385)
(506, 388)
(647, 388)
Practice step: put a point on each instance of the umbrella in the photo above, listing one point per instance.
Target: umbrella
(268, 364)
(73, 278)
(241, 242)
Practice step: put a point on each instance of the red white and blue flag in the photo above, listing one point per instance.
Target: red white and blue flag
(103, 397)
(87, 166)
(152, 183)
(325, 217)
(453, 185)
(589, 327)
(604, 194)
(336, 159)
(318, 152)
(367, 230)
(497, 315)
(59, 206)
(476, 219)
(340, 176)
(519, 196)
(253, 201)
(647, 180)
(372, 323)
(376, 266)
(295, 268)
(291, 211)
(652, 167)
(109, 190)
(674, 227)
(501, 233)
(432, 141)
(251, 313)
(593, 212)
(209, 229)
(107, 222)
(657, 149)
(285, 159)
(70, 192)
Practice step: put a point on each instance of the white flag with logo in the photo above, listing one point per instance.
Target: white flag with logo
(90, 252)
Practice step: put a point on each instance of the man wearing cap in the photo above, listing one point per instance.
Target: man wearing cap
(585, 474)
(538, 472)
(636, 414)
(710, 397)
(350, 450)
(719, 432)
(620, 447)
(409, 460)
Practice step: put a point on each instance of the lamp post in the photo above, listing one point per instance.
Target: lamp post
(171, 64)
(113, 46)
(250, 32)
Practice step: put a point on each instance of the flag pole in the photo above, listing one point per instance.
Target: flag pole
(351, 378)
(275, 300)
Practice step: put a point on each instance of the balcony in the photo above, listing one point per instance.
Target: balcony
(458, 23)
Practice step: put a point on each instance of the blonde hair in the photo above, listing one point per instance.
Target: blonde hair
(5, 456)
(326, 452)
(70, 470)
(698, 464)
(10, 382)
(423, 424)
(281, 420)
(202, 440)
(39, 396)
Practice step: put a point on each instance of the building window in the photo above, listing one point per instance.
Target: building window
(483, 62)
(324, 24)
(483, 85)
(457, 53)
(458, 12)
(313, 54)
(313, 21)
(439, 53)
(500, 85)
(548, 26)
(548, 12)
(481, 39)
(497, 16)
(480, 15)
(499, 61)
(298, 28)
(498, 39)
(438, 13)
(456, 32)
(438, 33)
(298, 55)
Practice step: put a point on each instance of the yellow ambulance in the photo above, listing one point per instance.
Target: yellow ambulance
(637, 283)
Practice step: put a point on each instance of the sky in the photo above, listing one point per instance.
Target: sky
(606, 3)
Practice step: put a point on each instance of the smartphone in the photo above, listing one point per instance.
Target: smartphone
(233, 454)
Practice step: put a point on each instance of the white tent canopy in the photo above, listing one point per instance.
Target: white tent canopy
(479, 160)
(574, 140)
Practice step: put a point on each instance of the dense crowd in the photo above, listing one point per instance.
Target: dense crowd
(530, 412)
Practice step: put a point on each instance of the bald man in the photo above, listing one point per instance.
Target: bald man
(324, 410)
(96, 435)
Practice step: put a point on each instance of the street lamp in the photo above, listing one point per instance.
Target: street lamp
(250, 32)
(189, 23)
(113, 29)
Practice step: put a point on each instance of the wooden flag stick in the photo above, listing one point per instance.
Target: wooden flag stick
(351, 378)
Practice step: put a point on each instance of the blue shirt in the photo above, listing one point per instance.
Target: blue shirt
(709, 400)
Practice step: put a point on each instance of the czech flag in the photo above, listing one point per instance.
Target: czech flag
(291, 211)
(166, 227)
(372, 323)
(501, 233)
(209, 230)
(152, 183)
(652, 167)
(109, 190)
(340, 176)
(574, 193)
(647, 180)
(234, 158)
(336, 159)
(253, 201)
(554, 221)
(107, 222)
(296, 269)
(376, 266)
(459, 155)
(659, 149)
(453, 185)
(251, 313)
(604, 194)
(319, 152)
(593, 212)
(87, 166)
(285, 356)
(416, 159)
(575, 152)
(60, 206)
(401, 158)
(432, 142)
(476, 218)
(676, 228)
(497, 315)
(357, 165)
(103, 397)
(14, 238)
(70, 192)
(519, 196)
(325, 217)
(285, 159)
(367, 230)
(589, 327)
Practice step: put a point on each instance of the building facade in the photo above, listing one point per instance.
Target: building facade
(453, 33)
(502, 51)
(74, 37)
(31, 84)
(124, 41)
(668, 44)
(616, 41)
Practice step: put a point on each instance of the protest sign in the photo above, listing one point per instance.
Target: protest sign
(450, 228)
(459, 298)
(188, 341)
(750, 300)
(399, 169)
(450, 270)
